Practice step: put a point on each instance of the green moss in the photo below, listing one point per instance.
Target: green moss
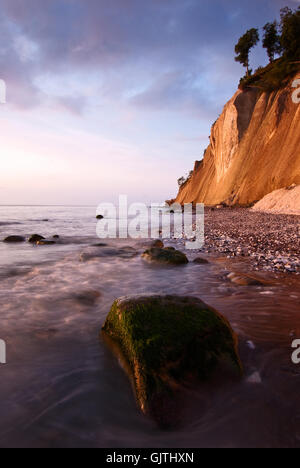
(167, 255)
(165, 339)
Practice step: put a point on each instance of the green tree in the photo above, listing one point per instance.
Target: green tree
(271, 40)
(244, 45)
(290, 32)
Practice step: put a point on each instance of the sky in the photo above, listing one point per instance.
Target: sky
(109, 97)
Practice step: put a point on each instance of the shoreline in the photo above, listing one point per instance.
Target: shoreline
(269, 241)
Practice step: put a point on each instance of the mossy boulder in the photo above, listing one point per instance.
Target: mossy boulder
(166, 341)
(166, 256)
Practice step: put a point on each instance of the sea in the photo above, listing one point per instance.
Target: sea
(62, 386)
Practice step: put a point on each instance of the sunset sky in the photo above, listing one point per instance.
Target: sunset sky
(117, 96)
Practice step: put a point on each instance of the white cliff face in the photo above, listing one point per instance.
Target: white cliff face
(254, 149)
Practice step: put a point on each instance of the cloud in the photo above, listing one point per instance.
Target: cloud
(149, 53)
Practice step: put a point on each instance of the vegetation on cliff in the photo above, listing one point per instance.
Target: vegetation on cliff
(279, 40)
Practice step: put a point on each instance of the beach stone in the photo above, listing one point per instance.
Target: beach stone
(165, 341)
(35, 238)
(14, 239)
(167, 256)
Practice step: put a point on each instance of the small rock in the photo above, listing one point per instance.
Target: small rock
(45, 242)
(88, 298)
(244, 280)
(201, 261)
(35, 238)
(171, 257)
(99, 217)
(14, 239)
(157, 244)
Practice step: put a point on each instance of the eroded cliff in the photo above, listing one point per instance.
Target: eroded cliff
(254, 149)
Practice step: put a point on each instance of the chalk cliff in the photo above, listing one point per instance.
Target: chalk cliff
(254, 149)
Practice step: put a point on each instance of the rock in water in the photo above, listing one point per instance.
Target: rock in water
(157, 244)
(171, 257)
(45, 242)
(166, 340)
(35, 238)
(14, 239)
(201, 261)
(243, 280)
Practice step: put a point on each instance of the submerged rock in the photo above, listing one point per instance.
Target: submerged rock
(243, 280)
(14, 239)
(201, 261)
(167, 256)
(45, 242)
(167, 340)
(94, 253)
(88, 298)
(35, 238)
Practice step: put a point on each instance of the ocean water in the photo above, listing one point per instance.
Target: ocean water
(62, 386)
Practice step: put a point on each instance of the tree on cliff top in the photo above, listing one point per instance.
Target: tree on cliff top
(271, 40)
(244, 45)
(290, 32)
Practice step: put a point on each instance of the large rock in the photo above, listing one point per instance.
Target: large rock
(167, 256)
(166, 340)
(14, 239)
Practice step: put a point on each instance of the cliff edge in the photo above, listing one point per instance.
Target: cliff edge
(254, 149)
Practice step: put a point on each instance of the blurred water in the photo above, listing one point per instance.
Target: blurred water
(62, 387)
